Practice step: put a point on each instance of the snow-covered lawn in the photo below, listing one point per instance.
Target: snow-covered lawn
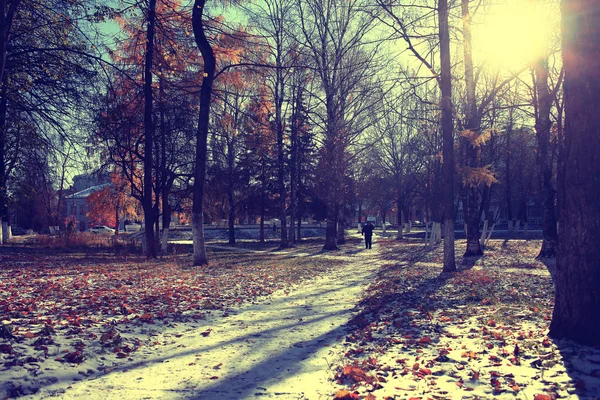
(293, 324)
(478, 333)
(253, 322)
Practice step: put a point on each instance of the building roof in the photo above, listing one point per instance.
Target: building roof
(83, 194)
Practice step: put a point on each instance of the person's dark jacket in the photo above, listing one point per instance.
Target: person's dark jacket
(368, 229)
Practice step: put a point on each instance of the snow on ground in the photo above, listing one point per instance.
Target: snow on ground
(480, 332)
(383, 324)
(280, 346)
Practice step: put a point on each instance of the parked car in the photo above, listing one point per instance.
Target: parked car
(102, 229)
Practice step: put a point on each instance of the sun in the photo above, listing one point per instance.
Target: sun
(512, 34)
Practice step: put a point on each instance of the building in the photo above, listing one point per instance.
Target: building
(77, 206)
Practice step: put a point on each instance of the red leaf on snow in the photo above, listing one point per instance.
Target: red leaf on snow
(6, 348)
(425, 340)
(345, 395)
(542, 397)
(75, 357)
(206, 332)
(146, 317)
(356, 374)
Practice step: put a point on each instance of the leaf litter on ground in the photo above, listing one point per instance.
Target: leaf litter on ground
(480, 332)
(93, 314)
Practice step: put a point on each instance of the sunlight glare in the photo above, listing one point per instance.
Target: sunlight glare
(512, 34)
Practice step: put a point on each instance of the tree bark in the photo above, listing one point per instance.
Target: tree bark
(200, 256)
(472, 152)
(577, 306)
(166, 216)
(149, 135)
(262, 203)
(3, 171)
(230, 183)
(399, 203)
(543, 160)
(293, 164)
(448, 138)
(330, 230)
(507, 192)
(279, 98)
(341, 228)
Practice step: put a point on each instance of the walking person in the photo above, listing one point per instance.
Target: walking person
(367, 231)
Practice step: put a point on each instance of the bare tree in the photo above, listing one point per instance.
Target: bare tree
(200, 255)
(335, 35)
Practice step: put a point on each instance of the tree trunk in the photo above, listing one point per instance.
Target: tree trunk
(200, 256)
(3, 172)
(118, 220)
(341, 228)
(7, 14)
(331, 231)
(577, 306)
(543, 161)
(230, 183)
(148, 135)
(472, 152)
(293, 166)
(262, 204)
(279, 93)
(508, 194)
(166, 217)
(448, 138)
(400, 219)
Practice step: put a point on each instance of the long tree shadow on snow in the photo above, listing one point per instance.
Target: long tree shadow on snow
(287, 362)
(272, 370)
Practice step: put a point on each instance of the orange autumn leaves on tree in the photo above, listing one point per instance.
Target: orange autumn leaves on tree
(111, 204)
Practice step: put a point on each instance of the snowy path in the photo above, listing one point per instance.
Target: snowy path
(280, 347)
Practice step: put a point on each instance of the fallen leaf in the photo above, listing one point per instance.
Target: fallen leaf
(206, 332)
(345, 395)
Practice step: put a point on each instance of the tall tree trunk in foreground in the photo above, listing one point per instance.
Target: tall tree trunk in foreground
(472, 125)
(448, 139)
(293, 165)
(3, 172)
(200, 256)
(279, 98)
(8, 11)
(543, 160)
(577, 307)
(149, 135)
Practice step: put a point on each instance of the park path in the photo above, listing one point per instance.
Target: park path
(283, 346)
